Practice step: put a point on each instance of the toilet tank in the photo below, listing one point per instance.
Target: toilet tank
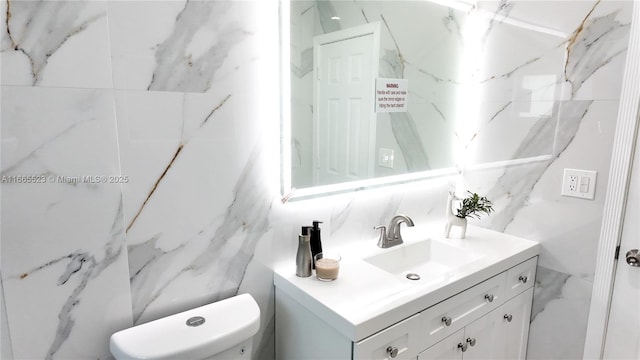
(201, 333)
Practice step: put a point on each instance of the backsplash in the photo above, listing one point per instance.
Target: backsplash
(152, 131)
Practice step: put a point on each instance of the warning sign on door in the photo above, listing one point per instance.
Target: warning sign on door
(391, 95)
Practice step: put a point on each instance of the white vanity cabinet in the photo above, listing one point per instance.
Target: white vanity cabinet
(501, 334)
(487, 320)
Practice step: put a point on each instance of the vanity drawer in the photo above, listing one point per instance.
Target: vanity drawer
(521, 277)
(400, 340)
(451, 315)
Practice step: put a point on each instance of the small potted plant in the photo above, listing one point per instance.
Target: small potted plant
(471, 206)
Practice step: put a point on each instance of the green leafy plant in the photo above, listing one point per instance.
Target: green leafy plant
(474, 205)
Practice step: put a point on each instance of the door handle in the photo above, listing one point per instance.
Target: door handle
(633, 257)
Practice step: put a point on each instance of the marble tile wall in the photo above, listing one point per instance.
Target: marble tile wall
(64, 256)
(574, 52)
(175, 101)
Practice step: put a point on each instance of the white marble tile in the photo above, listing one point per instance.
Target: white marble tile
(196, 209)
(583, 47)
(559, 325)
(570, 231)
(150, 128)
(202, 256)
(56, 43)
(62, 239)
(184, 46)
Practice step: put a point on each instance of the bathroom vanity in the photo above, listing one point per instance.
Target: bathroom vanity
(472, 300)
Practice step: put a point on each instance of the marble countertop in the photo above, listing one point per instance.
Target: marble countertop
(364, 298)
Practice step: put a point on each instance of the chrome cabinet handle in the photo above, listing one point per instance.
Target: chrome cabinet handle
(392, 351)
(489, 297)
(462, 346)
(523, 279)
(633, 257)
(446, 320)
(508, 317)
(471, 341)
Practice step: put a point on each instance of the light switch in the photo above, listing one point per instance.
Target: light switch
(385, 158)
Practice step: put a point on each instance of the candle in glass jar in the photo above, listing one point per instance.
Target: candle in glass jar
(327, 268)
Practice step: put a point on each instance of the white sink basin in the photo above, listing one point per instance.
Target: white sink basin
(430, 259)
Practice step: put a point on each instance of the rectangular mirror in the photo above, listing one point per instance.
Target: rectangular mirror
(385, 92)
(344, 61)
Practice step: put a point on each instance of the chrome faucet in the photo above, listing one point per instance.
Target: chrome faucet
(391, 236)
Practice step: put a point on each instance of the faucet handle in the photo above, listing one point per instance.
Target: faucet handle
(382, 240)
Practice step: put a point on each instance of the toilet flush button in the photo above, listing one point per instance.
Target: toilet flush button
(195, 321)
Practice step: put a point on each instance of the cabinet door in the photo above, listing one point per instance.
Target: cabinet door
(447, 349)
(516, 315)
(483, 338)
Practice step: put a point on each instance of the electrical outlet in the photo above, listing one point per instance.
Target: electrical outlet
(579, 183)
(573, 182)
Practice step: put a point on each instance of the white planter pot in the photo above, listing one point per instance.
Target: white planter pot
(455, 221)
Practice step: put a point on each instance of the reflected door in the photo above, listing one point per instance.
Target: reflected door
(344, 121)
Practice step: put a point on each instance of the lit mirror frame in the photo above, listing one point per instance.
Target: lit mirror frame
(460, 160)
(287, 190)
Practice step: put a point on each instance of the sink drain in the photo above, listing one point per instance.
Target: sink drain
(413, 276)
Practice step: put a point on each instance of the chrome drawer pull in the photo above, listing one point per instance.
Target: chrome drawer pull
(523, 279)
(446, 320)
(462, 347)
(489, 297)
(471, 341)
(392, 351)
(508, 317)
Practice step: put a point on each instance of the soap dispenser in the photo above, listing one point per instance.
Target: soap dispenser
(316, 243)
(303, 257)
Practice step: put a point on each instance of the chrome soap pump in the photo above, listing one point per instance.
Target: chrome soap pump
(303, 257)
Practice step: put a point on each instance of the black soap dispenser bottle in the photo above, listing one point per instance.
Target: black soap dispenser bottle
(316, 243)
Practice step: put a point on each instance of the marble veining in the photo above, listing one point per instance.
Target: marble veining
(93, 269)
(58, 242)
(38, 30)
(516, 182)
(189, 58)
(548, 287)
(186, 137)
(589, 48)
(56, 132)
(218, 257)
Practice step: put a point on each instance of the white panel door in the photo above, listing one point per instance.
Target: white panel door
(623, 332)
(514, 317)
(483, 338)
(345, 118)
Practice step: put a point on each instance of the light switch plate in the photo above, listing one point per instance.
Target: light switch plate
(579, 183)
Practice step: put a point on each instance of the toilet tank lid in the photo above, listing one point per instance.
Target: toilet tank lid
(196, 333)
